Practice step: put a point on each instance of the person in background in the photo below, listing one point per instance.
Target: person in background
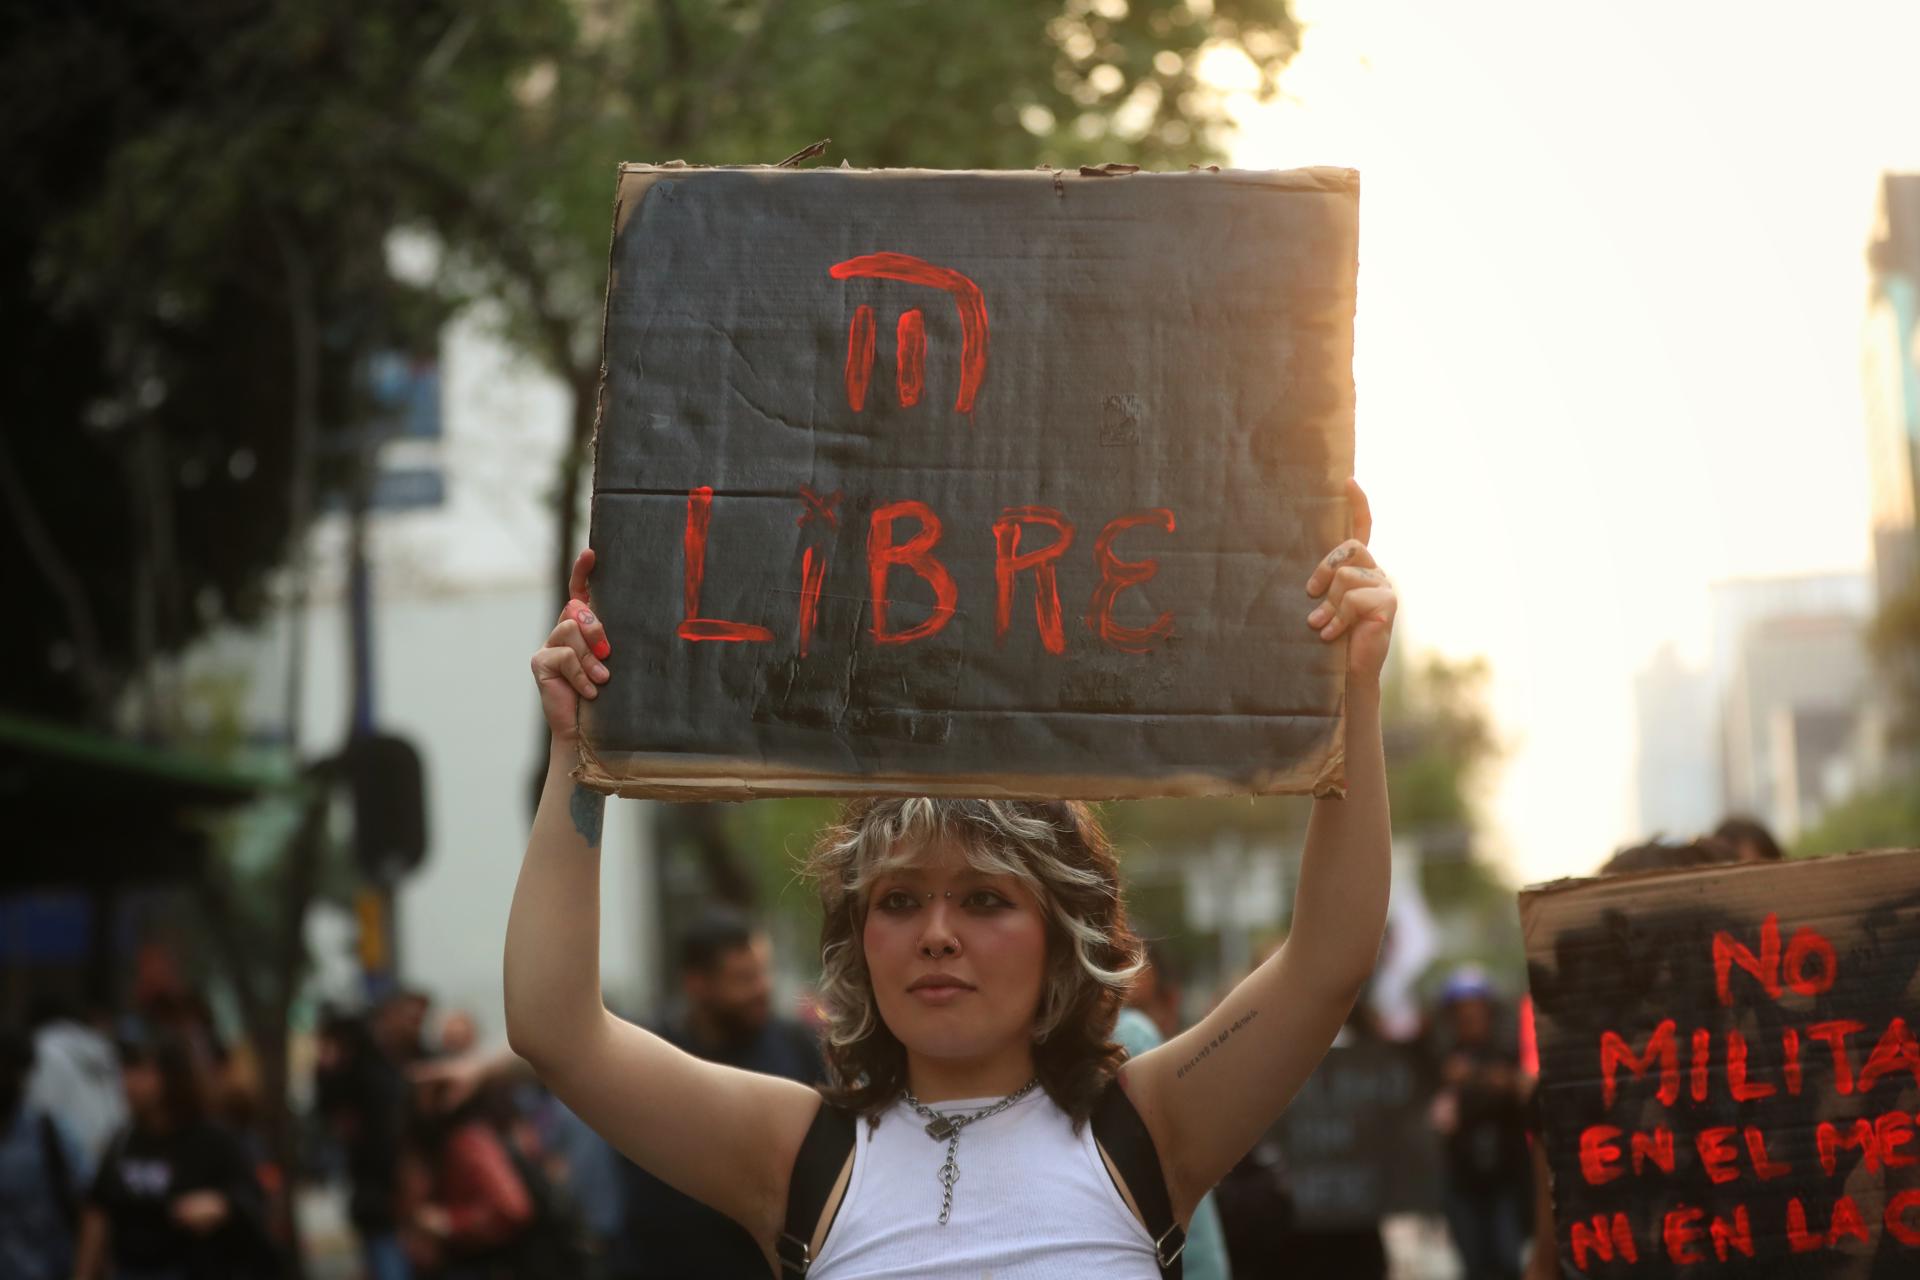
(727, 1018)
(1151, 1017)
(463, 1207)
(1480, 1113)
(43, 1175)
(76, 1076)
(1751, 841)
(175, 1197)
(459, 1034)
(1159, 991)
(363, 1092)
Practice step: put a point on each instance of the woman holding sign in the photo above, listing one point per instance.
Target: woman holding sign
(974, 955)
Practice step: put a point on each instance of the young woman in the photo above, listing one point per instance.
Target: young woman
(974, 956)
(175, 1197)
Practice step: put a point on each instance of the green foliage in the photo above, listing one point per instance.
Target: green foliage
(1440, 742)
(1886, 817)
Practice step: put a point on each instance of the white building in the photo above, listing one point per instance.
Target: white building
(1777, 724)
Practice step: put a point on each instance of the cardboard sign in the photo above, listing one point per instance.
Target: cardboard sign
(1357, 1141)
(971, 483)
(1729, 1068)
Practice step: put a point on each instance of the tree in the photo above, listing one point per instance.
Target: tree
(525, 204)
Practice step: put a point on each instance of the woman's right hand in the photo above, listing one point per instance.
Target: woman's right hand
(571, 665)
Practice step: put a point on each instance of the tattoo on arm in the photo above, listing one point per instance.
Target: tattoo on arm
(1217, 1042)
(588, 809)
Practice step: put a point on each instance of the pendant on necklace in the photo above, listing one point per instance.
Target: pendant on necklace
(939, 1128)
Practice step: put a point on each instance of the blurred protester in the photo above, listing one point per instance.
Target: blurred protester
(1480, 1113)
(1750, 841)
(362, 1090)
(1718, 849)
(588, 1172)
(1357, 1252)
(76, 1076)
(1159, 992)
(1151, 1017)
(175, 1197)
(465, 1208)
(459, 1034)
(43, 1175)
(728, 1018)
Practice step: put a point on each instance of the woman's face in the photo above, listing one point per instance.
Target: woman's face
(957, 957)
(144, 1090)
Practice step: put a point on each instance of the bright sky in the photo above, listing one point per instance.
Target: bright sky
(1611, 289)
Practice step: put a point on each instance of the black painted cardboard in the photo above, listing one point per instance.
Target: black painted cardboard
(1625, 953)
(1177, 342)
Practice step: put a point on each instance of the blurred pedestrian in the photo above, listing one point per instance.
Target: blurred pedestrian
(76, 1076)
(175, 1197)
(363, 1091)
(727, 1017)
(459, 1034)
(464, 1207)
(1480, 1113)
(43, 1175)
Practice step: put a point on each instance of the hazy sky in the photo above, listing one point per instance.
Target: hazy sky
(1611, 289)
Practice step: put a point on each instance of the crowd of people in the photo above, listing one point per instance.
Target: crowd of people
(130, 1149)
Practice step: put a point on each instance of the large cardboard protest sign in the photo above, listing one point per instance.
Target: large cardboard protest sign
(979, 483)
(1729, 1069)
(1357, 1143)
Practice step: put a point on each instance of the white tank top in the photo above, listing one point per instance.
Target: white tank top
(1033, 1202)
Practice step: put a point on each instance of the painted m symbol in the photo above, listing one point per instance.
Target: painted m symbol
(910, 351)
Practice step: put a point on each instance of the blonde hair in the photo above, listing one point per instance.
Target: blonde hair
(1058, 850)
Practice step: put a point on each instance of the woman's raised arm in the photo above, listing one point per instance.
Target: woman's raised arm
(723, 1136)
(1209, 1093)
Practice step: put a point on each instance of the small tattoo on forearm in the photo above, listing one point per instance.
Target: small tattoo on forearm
(588, 809)
(1216, 1042)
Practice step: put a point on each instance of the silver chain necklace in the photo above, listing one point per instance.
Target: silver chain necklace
(946, 1128)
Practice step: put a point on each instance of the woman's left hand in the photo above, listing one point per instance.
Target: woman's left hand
(1358, 600)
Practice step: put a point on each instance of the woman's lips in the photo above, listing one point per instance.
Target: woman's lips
(938, 990)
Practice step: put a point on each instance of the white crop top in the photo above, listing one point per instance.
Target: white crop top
(1033, 1202)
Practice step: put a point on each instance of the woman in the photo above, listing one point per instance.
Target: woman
(974, 956)
(175, 1198)
(468, 1207)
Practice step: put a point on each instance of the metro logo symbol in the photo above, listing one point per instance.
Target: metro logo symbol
(910, 336)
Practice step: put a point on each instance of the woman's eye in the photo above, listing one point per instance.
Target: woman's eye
(898, 900)
(984, 900)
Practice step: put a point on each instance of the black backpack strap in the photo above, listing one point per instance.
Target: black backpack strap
(822, 1156)
(1121, 1132)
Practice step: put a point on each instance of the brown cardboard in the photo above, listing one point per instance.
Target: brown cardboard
(1807, 949)
(791, 353)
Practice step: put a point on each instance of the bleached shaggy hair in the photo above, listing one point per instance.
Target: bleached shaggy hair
(1058, 850)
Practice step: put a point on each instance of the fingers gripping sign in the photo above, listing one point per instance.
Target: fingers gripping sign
(572, 663)
(1356, 598)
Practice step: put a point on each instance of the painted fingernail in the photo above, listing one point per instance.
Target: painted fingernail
(601, 648)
